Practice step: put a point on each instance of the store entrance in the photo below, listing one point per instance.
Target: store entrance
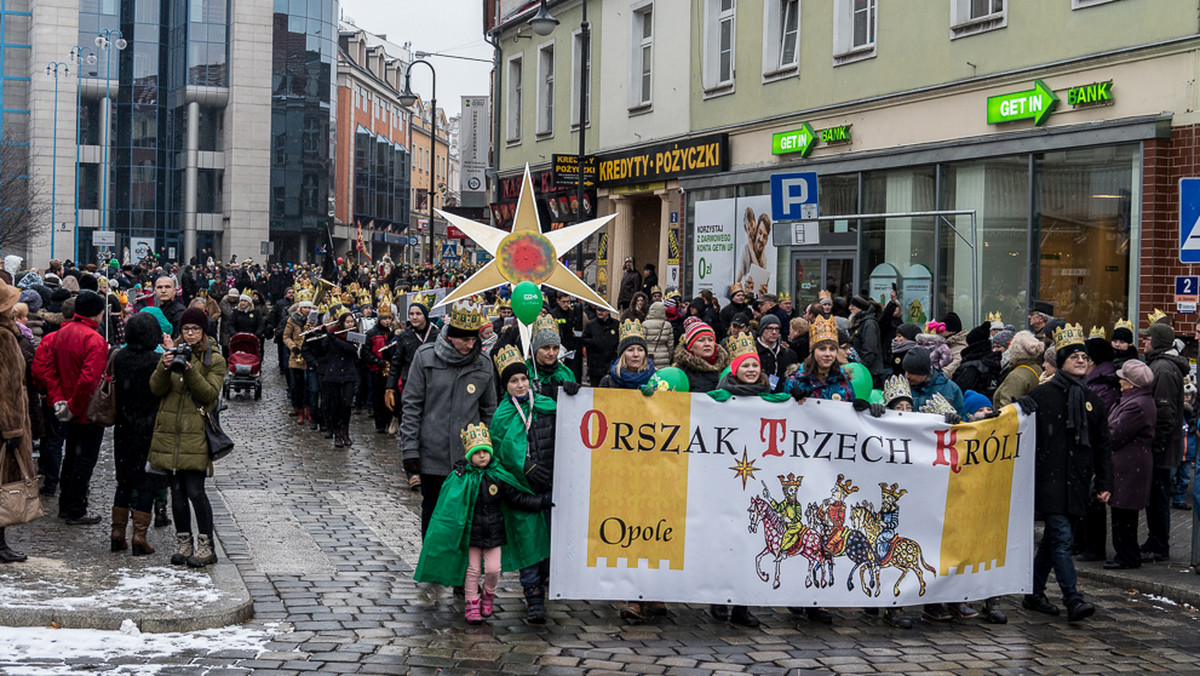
(831, 270)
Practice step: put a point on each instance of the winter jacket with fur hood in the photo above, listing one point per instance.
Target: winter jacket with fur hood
(660, 335)
(1024, 357)
(702, 376)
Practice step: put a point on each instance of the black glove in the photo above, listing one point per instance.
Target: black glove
(953, 418)
(877, 409)
(538, 474)
(13, 443)
(570, 388)
(1028, 404)
(861, 405)
(295, 352)
(547, 501)
(412, 465)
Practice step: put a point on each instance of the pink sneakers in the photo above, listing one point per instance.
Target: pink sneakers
(472, 612)
(486, 604)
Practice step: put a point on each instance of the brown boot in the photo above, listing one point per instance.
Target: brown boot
(338, 441)
(346, 436)
(141, 523)
(299, 416)
(120, 517)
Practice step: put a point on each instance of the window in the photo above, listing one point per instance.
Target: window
(642, 64)
(576, 55)
(968, 17)
(719, 33)
(853, 30)
(545, 90)
(781, 37)
(1082, 4)
(514, 100)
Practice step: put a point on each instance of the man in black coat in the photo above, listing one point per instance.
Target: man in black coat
(775, 357)
(1073, 462)
(631, 283)
(164, 298)
(569, 317)
(1169, 370)
(865, 338)
(601, 338)
(737, 305)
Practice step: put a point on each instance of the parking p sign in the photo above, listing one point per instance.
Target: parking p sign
(794, 196)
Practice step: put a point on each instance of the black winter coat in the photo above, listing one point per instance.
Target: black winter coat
(403, 353)
(601, 339)
(539, 453)
(1063, 471)
(340, 364)
(487, 524)
(865, 339)
(775, 363)
(1169, 370)
(137, 407)
(312, 350)
(248, 321)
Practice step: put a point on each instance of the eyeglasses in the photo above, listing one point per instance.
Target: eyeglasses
(190, 329)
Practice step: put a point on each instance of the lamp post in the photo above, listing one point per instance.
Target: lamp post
(107, 39)
(54, 69)
(80, 54)
(408, 99)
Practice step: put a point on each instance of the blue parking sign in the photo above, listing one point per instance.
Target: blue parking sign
(794, 196)
(1189, 220)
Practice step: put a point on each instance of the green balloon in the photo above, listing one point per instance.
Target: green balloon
(526, 302)
(860, 379)
(876, 397)
(673, 376)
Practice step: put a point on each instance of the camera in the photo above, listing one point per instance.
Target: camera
(180, 356)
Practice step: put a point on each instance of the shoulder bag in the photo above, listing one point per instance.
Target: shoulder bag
(219, 443)
(19, 500)
(102, 405)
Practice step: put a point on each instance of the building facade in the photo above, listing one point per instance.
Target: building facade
(1055, 132)
(428, 157)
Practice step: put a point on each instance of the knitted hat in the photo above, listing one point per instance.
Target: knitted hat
(1136, 372)
(860, 302)
(693, 328)
(509, 363)
(89, 304)
(194, 315)
(768, 320)
(88, 282)
(245, 297)
(1123, 331)
(1002, 339)
(908, 330)
(631, 334)
(916, 361)
(32, 298)
(1161, 336)
(233, 293)
(973, 401)
(475, 438)
(545, 333)
(953, 322)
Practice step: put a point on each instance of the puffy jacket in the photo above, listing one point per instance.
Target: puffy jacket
(660, 335)
(1169, 370)
(377, 339)
(864, 338)
(539, 450)
(71, 365)
(1017, 383)
(938, 383)
(341, 360)
(179, 442)
(292, 340)
(487, 523)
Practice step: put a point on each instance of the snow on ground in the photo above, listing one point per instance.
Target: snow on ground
(41, 651)
(150, 588)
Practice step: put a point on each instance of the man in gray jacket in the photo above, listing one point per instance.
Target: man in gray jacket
(451, 384)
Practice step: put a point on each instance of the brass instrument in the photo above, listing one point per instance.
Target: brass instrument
(324, 286)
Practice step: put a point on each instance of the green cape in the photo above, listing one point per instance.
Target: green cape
(561, 374)
(444, 551)
(509, 438)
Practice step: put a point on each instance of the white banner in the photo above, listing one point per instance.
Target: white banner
(677, 497)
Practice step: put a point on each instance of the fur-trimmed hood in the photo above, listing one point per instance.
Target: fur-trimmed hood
(690, 362)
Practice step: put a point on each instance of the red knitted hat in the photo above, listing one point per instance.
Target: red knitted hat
(693, 328)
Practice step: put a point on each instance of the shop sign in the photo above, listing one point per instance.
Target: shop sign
(639, 188)
(799, 140)
(691, 157)
(1187, 294)
(453, 232)
(1090, 95)
(565, 171)
(835, 135)
(602, 250)
(1034, 104)
(673, 246)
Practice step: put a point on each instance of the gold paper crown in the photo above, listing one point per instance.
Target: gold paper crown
(1123, 324)
(1098, 332)
(467, 316)
(822, 329)
(507, 356)
(425, 299)
(937, 404)
(631, 327)
(843, 485)
(303, 294)
(893, 491)
(896, 387)
(791, 480)
(995, 317)
(323, 309)
(785, 297)
(385, 310)
(742, 343)
(475, 436)
(1071, 334)
(823, 295)
(544, 322)
(1156, 316)
(502, 303)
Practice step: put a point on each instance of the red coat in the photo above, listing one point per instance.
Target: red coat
(71, 364)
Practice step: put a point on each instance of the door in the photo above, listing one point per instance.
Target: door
(816, 271)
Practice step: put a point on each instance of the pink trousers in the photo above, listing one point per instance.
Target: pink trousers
(486, 561)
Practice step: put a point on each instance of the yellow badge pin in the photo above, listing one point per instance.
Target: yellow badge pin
(470, 388)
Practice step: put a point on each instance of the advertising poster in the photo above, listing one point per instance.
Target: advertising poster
(677, 497)
(714, 247)
(756, 252)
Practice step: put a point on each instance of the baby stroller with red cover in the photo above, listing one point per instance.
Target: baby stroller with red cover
(245, 364)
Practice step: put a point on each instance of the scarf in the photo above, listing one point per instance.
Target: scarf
(446, 352)
(510, 439)
(1077, 419)
(631, 380)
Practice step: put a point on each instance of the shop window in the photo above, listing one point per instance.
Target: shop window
(719, 33)
(576, 55)
(545, 90)
(781, 37)
(853, 30)
(902, 242)
(968, 17)
(641, 73)
(514, 104)
(1084, 222)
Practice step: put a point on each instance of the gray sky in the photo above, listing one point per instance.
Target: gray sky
(447, 26)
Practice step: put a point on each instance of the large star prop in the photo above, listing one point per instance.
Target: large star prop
(526, 253)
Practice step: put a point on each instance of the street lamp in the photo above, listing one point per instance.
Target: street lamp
(54, 69)
(108, 37)
(80, 54)
(408, 99)
(543, 23)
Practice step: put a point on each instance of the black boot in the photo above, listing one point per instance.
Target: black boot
(741, 615)
(7, 554)
(161, 520)
(535, 605)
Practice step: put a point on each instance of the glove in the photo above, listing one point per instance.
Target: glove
(414, 482)
(538, 474)
(62, 411)
(570, 388)
(861, 405)
(296, 352)
(877, 409)
(389, 399)
(412, 466)
(547, 501)
(952, 418)
(648, 389)
(13, 443)
(1028, 404)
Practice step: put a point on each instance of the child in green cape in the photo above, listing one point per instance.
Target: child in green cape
(485, 521)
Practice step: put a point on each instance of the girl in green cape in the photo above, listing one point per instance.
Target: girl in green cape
(485, 521)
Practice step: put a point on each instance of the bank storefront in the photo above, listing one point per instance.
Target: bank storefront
(1056, 210)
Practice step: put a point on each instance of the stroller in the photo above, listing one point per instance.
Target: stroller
(245, 363)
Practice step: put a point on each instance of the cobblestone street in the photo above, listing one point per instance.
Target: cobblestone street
(326, 541)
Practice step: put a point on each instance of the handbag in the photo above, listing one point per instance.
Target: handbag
(19, 500)
(219, 443)
(102, 405)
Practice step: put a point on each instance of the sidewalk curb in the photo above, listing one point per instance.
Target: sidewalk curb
(1181, 593)
(235, 607)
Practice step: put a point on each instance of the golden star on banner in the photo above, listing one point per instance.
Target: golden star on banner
(744, 469)
(526, 253)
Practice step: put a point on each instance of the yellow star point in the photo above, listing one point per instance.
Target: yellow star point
(744, 469)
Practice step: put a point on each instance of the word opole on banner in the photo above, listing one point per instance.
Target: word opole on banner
(765, 503)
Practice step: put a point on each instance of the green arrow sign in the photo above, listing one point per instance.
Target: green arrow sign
(1035, 104)
(799, 140)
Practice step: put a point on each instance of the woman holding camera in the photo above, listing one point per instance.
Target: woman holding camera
(189, 376)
